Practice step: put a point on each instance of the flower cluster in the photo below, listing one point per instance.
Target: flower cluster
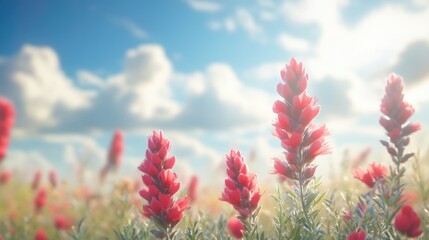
(240, 186)
(192, 188)
(373, 174)
(396, 113)
(7, 119)
(161, 185)
(302, 141)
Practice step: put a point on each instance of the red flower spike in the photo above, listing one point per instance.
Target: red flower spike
(40, 199)
(114, 157)
(235, 227)
(161, 184)
(395, 115)
(192, 188)
(302, 141)
(359, 234)
(40, 235)
(53, 179)
(36, 180)
(5, 177)
(407, 222)
(7, 119)
(240, 186)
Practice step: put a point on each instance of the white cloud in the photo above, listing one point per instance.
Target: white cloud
(147, 75)
(35, 82)
(225, 103)
(87, 78)
(246, 20)
(242, 19)
(292, 44)
(267, 15)
(204, 5)
(133, 28)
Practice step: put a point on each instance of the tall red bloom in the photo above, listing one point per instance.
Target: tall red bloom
(359, 234)
(240, 186)
(161, 184)
(192, 189)
(407, 222)
(302, 140)
(40, 235)
(36, 180)
(396, 113)
(5, 177)
(235, 227)
(40, 199)
(53, 179)
(114, 157)
(7, 119)
(374, 173)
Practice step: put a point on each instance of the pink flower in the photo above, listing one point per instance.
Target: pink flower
(53, 178)
(5, 177)
(359, 234)
(7, 119)
(407, 222)
(40, 235)
(192, 189)
(240, 186)
(396, 113)
(161, 184)
(374, 173)
(302, 140)
(40, 199)
(235, 227)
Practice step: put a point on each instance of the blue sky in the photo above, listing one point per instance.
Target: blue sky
(203, 71)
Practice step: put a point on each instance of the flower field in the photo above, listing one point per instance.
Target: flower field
(369, 201)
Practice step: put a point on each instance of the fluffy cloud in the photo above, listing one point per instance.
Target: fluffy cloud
(292, 44)
(412, 62)
(225, 103)
(242, 19)
(35, 82)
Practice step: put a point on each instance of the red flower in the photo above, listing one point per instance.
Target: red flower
(192, 189)
(63, 222)
(116, 149)
(161, 184)
(374, 173)
(407, 222)
(359, 234)
(7, 119)
(53, 178)
(5, 177)
(396, 113)
(240, 186)
(235, 227)
(40, 235)
(36, 180)
(302, 141)
(114, 157)
(40, 199)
